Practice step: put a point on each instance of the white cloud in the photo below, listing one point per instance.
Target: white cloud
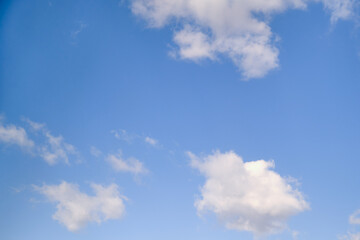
(131, 164)
(34, 125)
(246, 196)
(11, 134)
(54, 149)
(340, 9)
(355, 217)
(151, 141)
(122, 134)
(237, 29)
(351, 236)
(80, 28)
(355, 220)
(75, 209)
(51, 148)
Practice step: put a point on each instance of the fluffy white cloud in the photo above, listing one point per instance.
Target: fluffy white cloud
(131, 164)
(237, 29)
(246, 196)
(11, 134)
(75, 209)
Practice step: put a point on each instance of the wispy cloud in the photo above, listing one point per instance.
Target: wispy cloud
(340, 9)
(75, 33)
(95, 151)
(75, 209)
(151, 141)
(246, 196)
(124, 135)
(54, 149)
(131, 165)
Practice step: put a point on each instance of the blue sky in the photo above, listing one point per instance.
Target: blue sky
(158, 119)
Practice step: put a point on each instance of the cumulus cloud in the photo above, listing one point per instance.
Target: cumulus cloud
(237, 29)
(131, 164)
(76, 209)
(11, 134)
(246, 196)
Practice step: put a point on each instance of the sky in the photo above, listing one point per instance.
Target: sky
(179, 119)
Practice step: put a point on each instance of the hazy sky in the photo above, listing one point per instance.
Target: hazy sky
(180, 119)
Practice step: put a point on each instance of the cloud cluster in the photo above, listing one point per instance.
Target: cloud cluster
(131, 164)
(53, 149)
(246, 196)
(355, 220)
(75, 209)
(237, 29)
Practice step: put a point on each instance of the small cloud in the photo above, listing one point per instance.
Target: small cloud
(355, 217)
(151, 141)
(122, 134)
(74, 34)
(18, 189)
(340, 9)
(75, 209)
(295, 235)
(95, 152)
(15, 135)
(131, 164)
(350, 236)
